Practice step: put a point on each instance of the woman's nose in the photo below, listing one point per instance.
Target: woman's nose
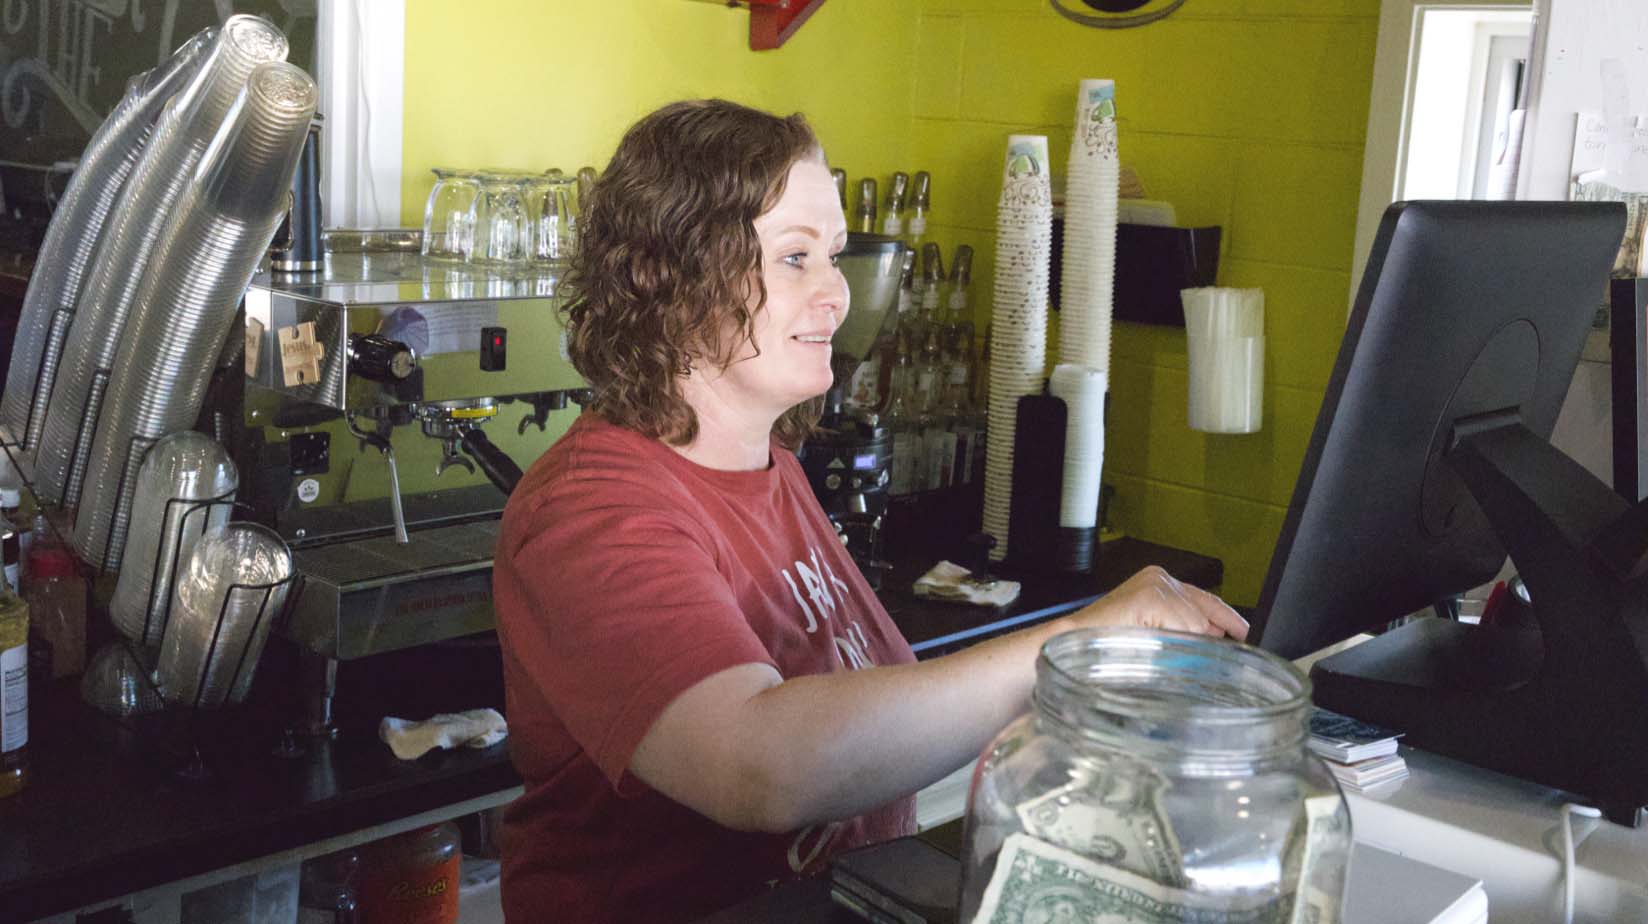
(833, 292)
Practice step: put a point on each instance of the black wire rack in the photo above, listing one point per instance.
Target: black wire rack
(177, 734)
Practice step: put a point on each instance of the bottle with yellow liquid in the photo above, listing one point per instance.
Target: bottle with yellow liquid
(14, 691)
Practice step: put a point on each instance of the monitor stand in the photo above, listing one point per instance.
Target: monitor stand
(1562, 701)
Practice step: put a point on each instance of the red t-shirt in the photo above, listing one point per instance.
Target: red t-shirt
(624, 575)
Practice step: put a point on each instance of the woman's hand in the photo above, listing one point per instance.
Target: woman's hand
(1154, 599)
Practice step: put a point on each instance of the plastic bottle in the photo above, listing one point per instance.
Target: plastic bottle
(412, 878)
(892, 223)
(915, 229)
(11, 549)
(903, 421)
(11, 507)
(14, 692)
(938, 441)
(957, 418)
(57, 602)
(932, 282)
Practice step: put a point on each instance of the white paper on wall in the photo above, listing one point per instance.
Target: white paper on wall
(1611, 151)
(1590, 144)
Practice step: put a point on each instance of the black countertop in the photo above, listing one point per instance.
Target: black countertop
(936, 627)
(105, 814)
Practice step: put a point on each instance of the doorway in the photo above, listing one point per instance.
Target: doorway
(1468, 87)
(1449, 85)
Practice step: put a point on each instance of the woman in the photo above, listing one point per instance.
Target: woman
(704, 695)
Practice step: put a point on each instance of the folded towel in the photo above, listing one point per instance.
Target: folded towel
(477, 728)
(950, 581)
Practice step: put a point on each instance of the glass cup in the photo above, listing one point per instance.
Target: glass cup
(503, 232)
(552, 211)
(448, 216)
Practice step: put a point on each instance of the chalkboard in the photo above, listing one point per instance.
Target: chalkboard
(64, 65)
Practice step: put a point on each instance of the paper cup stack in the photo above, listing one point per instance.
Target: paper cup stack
(1087, 296)
(1082, 389)
(1087, 281)
(1225, 340)
(1018, 352)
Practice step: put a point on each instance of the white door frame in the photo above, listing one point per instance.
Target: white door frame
(1395, 64)
(361, 63)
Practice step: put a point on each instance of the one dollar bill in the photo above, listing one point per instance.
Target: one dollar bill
(1323, 869)
(1117, 819)
(1038, 883)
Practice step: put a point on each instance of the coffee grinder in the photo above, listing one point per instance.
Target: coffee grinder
(848, 460)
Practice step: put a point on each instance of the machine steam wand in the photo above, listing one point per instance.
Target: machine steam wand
(378, 438)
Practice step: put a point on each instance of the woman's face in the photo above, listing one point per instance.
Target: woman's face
(806, 297)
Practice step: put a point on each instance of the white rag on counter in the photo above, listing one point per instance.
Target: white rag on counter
(477, 728)
(950, 581)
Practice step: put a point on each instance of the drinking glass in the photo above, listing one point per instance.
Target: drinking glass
(449, 214)
(503, 232)
(553, 213)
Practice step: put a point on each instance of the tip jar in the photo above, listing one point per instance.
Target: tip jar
(1157, 777)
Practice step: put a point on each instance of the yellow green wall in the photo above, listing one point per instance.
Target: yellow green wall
(554, 83)
(1249, 114)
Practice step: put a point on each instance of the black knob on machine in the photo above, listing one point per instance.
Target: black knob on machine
(380, 359)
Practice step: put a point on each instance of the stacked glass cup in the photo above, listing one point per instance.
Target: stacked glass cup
(501, 218)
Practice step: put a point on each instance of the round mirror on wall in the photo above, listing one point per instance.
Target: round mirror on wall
(1115, 14)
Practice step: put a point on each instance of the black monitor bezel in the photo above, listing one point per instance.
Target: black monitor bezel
(1405, 569)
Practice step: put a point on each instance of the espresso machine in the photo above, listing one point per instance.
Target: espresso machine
(848, 460)
(382, 413)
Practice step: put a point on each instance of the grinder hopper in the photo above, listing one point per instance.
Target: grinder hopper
(873, 265)
(847, 461)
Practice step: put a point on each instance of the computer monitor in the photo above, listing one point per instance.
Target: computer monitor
(1430, 460)
(1629, 353)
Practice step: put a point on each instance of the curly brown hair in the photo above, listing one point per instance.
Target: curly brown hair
(668, 259)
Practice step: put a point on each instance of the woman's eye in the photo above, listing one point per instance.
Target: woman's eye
(794, 259)
(835, 259)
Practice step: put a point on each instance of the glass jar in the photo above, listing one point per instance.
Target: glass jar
(412, 878)
(1158, 777)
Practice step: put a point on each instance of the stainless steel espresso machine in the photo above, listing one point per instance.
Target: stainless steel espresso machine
(386, 399)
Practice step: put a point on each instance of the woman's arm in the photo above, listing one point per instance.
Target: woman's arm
(755, 752)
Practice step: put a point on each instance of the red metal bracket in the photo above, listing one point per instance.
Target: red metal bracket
(772, 22)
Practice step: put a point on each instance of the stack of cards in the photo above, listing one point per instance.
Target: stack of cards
(1361, 756)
